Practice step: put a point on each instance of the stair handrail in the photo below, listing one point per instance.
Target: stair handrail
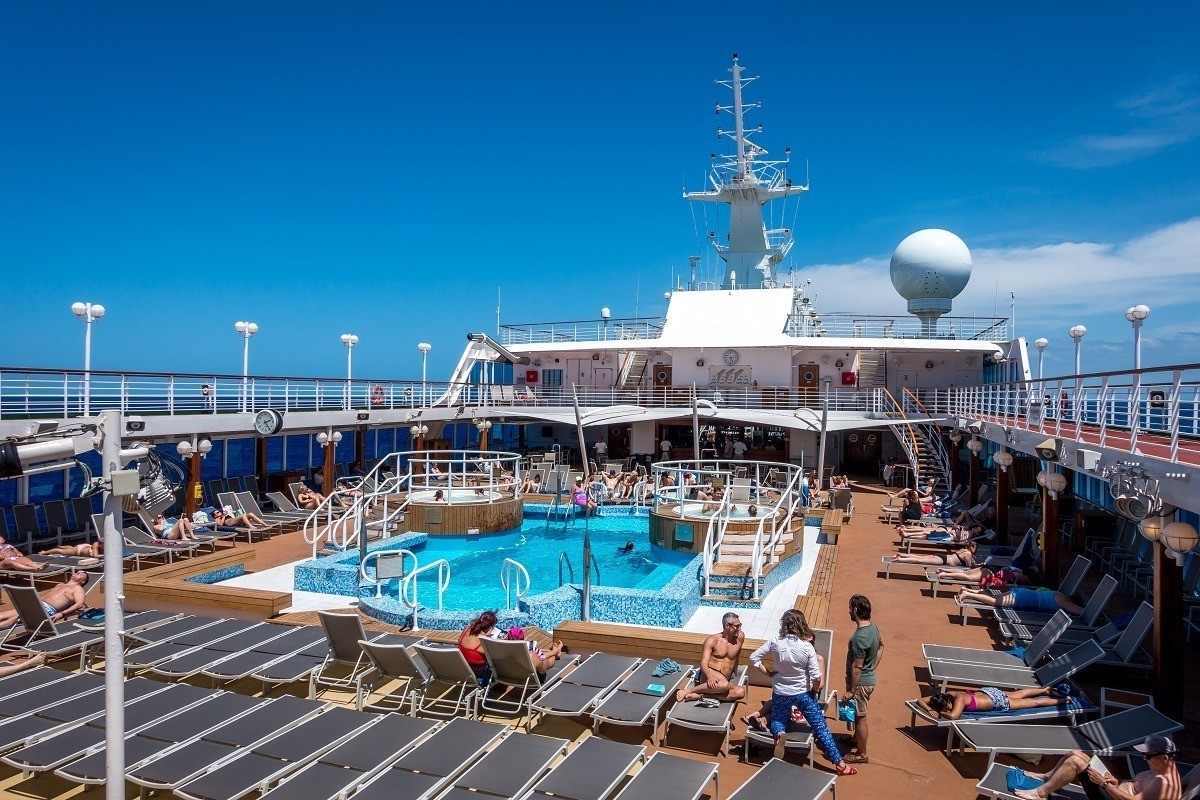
(375, 555)
(511, 573)
(910, 443)
(768, 552)
(712, 543)
(360, 501)
(411, 580)
(932, 435)
(563, 557)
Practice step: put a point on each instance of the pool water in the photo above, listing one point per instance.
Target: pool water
(475, 560)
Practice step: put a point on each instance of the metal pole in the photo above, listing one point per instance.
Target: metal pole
(585, 611)
(87, 362)
(424, 385)
(245, 372)
(1078, 341)
(695, 424)
(824, 434)
(114, 622)
(349, 372)
(1137, 344)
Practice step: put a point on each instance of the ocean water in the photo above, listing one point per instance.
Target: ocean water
(475, 561)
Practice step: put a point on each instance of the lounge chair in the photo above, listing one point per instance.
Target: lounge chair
(995, 784)
(209, 537)
(148, 743)
(1079, 707)
(1088, 618)
(58, 524)
(514, 673)
(193, 757)
(41, 688)
(1028, 657)
(1069, 585)
(151, 655)
(346, 664)
(799, 734)
(1051, 673)
(451, 686)
(1127, 651)
(778, 778)
(1102, 736)
(937, 544)
(668, 777)
(167, 631)
(508, 770)
(295, 667)
(592, 771)
(431, 765)
(173, 547)
(289, 518)
(66, 713)
(390, 664)
(340, 771)
(275, 523)
(699, 718)
(86, 639)
(138, 551)
(584, 686)
(265, 763)
(42, 752)
(19, 683)
(195, 661)
(632, 702)
(263, 655)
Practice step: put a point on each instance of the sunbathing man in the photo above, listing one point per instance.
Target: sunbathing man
(1043, 600)
(963, 557)
(952, 705)
(1161, 782)
(174, 529)
(58, 600)
(93, 550)
(13, 559)
(717, 664)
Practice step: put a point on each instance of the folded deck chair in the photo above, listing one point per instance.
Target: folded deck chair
(149, 742)
(1073, 711)
(1088, 618)
(1126, 651)
(192, 662)
(1028, 656)
(292, 518)
(264, 654)
(592, 771)
(42, 753)
(265, 763)
(778, 778)
(341, 770)
(639, 699)
(1051, 673)
(54, 717)
(390, 664)
(508, 770)
(995, 784)
(514, 678)
(1102, 736)
(584, 686)
(432, 764)
(799, 735)
(699, 718)
(451, 686)
(193, 757)
(153, 654)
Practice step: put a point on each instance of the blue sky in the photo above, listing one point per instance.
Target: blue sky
(380, 168)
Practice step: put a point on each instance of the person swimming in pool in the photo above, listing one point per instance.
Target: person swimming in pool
(628, 548)
(1022, 599)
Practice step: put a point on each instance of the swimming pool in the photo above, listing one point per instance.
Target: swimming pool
(455, 496)
(475, 561)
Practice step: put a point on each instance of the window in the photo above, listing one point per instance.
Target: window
(552, 377)
(298, 446)
(240, 457)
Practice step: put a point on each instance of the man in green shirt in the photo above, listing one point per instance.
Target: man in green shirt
(862, 659)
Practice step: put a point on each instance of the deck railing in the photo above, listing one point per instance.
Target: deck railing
(901, 326)
(587, 330)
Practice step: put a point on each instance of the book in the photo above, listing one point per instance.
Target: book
(1098, 765)
(656, 688)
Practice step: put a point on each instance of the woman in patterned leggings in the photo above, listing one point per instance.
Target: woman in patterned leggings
(795, 681)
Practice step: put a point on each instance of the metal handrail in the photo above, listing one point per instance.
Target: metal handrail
(910, 442)
(932, 435)
(510, 569)
(777, 528)
(712, 544)
(362, 569)
(561, 558)
(443, 581)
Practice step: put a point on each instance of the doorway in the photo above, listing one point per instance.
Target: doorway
(808, 376)
(862, 451)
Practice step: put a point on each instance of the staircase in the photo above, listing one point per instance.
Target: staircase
(731, 581)
(932, 456)
(633, 368)
(872, 369)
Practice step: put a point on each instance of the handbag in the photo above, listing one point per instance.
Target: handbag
(847, 711)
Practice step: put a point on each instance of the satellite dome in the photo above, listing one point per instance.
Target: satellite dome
(929, 269)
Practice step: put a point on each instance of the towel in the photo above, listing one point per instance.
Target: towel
(665, 667)
(1017, 779)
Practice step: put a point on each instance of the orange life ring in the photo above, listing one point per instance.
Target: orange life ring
(377, 396)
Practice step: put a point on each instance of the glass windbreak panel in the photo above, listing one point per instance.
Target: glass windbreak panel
(275, 454)
(8, 492)
(213, 464)
(385, 442)
(46, 486)
(369, 437)
(345, 448)
(299, 447)
(239, 457)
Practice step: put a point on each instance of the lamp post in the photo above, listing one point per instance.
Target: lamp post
(1041, 345)
(88, 313)
(1137, 315)
(1077, 333)
(245, 330)
(349, 339)
(605, 315)
(329, 441)
(424, 347)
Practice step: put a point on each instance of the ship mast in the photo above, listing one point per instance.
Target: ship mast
(746, 183)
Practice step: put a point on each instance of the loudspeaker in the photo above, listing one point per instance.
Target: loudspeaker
(1050, 450)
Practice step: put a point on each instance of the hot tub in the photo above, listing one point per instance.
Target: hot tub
(455, 496)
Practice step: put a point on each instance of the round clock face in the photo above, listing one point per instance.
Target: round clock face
(731, 357)
(268, 422)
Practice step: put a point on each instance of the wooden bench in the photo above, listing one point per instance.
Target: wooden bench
(831, 524)
(815, 604)
(166, 587)
(658, 643)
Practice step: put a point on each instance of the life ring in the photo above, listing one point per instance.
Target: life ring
(377, 396)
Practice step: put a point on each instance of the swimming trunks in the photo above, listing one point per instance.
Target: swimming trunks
(1034, 600)
(999, 699)
(50, 610)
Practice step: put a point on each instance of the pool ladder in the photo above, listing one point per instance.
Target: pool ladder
(563, 558)
(567, 509)
(512, 573)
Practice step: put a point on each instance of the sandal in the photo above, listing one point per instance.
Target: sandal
(854, 758)
(845, 771)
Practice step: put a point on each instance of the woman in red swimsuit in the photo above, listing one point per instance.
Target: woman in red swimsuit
(471, 647)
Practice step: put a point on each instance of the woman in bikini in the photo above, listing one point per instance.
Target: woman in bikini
(174, 529)
(952, 533)
(471, 647)
(963, 557)
(13, 559)
(1006, 575)
(93, 550)
(952, 705)
(221, 517)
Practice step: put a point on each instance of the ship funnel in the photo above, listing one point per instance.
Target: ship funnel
(929, 269)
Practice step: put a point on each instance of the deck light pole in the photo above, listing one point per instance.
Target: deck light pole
(245, 330)
(1041, 345)
(1077, 333)
(1137, 315)
(87, 313)
(424, 347)
(349, 339)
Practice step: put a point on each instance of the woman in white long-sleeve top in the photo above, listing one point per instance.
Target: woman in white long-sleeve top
(795, 681)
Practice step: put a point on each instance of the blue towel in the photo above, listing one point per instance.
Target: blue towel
(665, 667)
(1019, 652)
(1017, 779)
(938, 537)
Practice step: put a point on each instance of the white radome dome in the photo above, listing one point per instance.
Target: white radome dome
(929, 269)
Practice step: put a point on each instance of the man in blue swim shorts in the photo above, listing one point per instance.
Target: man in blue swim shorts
(1022, 599)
